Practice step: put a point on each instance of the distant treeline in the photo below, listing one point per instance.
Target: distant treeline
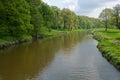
(33, 17)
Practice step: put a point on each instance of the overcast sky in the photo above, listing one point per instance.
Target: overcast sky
(91, 8)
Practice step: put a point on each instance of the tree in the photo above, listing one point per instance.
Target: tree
(14, 18)
(83, 22)
(105, 16)
(70, 19)
(56, 17)
(36, 16)
(117, 15)
(65, 17)
(48, 15)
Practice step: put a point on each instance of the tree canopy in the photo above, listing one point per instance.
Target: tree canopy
(33, 17)
(111, 17)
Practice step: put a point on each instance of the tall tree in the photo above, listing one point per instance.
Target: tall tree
(69, 18)
(117, 15)
(105, 16)
(48, 15)
(65, 18)
(36, 16)
(55, 21)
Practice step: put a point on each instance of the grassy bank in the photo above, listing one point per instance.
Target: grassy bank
(7, 41)
(54, 33)
(109, 45)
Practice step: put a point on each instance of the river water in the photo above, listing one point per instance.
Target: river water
(69, 57)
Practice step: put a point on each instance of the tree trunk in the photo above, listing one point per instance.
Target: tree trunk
(106, 25)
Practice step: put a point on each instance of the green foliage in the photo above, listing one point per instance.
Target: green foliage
(57, 18)
(116, 13)
(88, 23)
(111, 17)
(47, 14)
(105, 16)
(14, 18)
(36, 16)
(109, 44)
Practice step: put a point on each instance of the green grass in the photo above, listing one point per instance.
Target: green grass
(7, 39)
(109, 44)
(111, 33)
(2, 41)
(53, 32)
(45, 33)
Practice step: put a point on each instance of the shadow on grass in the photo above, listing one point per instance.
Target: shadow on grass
(118, 38)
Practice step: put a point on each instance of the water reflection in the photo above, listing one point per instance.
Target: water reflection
(82, 62)
(25, 61)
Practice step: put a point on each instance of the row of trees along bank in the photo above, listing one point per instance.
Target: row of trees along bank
(111, 17)
(22, 18)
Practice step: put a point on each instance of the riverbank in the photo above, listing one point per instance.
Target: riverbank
(6, 42)
(109, 45)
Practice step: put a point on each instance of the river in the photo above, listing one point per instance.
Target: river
(68, 57)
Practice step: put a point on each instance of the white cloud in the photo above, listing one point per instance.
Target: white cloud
(90, 8)
(95, 12)
(47, 1)
(66, 1)
(71, 4)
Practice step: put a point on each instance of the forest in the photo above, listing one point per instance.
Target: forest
(25, 19)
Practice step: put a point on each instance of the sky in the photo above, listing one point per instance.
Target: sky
(91, 8)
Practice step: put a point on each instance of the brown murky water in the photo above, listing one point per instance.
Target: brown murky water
(69, 57)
